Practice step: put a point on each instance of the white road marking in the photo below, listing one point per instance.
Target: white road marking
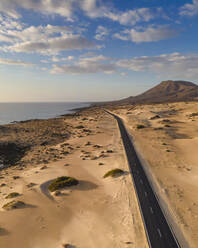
(151, 210)
(145, 193)
(159, 232)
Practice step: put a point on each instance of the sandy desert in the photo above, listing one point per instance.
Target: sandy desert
(97, 212)
(100, 212)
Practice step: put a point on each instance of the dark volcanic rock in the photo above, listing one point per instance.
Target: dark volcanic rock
(11, 153)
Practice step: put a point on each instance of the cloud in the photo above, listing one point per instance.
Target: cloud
(4, 38)
(94, 58)
(174, 64)
(8, 24)
(56, 59)
(101, 33)
(152, 34)
(14, 62)
(189, 9)
(131, 17)
(86, 66)
(91, 8)
(60, 7)
(33, 33)
(44, 39)
(53, 45)
(147, 35)
(121, 36)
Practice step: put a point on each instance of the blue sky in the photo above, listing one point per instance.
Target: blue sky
(92, 50)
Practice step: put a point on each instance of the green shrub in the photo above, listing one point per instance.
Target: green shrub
(193, 114)
(12, 195)
(140, 126)
(113, 173)
(62, 182)
(80, 127)
(13, 205)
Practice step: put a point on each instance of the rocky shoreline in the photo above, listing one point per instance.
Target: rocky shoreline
(21, 138)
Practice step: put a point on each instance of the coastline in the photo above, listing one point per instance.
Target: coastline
(74, 145)
(44, 114)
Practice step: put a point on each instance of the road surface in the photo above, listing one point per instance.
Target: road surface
(159, 234)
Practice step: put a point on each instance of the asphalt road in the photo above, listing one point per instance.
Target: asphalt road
(158, 231)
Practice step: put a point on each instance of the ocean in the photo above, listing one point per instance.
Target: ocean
(10, 112)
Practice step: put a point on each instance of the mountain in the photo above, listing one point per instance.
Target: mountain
(166, 91)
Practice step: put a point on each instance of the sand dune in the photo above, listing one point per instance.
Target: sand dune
(96, 213)
(168, 143)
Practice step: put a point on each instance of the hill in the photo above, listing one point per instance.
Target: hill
(166, 91)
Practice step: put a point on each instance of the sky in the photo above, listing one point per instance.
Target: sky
(94, 50)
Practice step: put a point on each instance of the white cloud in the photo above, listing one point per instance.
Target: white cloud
(14, 62)
(91, 8)
(101, 33)
(8, 24)
(4, 38)
(52, 45)
(121, 36)
(147, 35)
(86, 66)
(60, 7)
(56, 59)
(84, 69)
(44, 61)
(175, 64)
(190, 9)
(123, 74)
(131, 17)
(94, 58)
(44, 39)
(152, 34)
(33, 33)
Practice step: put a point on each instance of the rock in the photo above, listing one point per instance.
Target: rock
(68, 246)
(109, 151)
(16, 177)
(94, 158)
(57, 193)
(88, 143)
(66, 164)
(128, 243)
(97, 146)
(155, 117)
(30, 185)
(43, 167)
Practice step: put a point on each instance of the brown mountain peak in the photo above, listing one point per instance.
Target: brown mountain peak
(167, 91)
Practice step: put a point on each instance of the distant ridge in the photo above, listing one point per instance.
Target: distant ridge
(166, 91)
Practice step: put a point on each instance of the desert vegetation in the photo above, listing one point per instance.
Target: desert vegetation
(14, 205)
(114, 173)
(140, 126)
(193, 114)
(12, 195)
(62, 182)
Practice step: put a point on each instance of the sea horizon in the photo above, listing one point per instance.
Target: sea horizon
(21, 111)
